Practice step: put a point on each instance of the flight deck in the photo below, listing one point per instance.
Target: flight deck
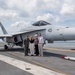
(14, 62)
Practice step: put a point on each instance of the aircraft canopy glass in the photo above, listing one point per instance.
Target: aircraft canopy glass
(41, 23)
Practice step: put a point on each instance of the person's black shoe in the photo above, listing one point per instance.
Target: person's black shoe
(26, 55)
(37, 55)
(32, 55)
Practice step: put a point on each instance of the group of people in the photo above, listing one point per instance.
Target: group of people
(34, 45)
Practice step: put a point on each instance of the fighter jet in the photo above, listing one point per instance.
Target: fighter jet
(50, 33)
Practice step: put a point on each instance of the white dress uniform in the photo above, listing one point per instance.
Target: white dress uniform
(41, 42)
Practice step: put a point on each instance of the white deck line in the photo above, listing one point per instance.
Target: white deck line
(33, 69)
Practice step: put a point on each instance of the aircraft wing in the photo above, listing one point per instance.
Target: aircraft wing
(19, 33)
(27, 31)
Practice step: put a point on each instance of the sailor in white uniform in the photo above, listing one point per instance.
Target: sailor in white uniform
(41, 43)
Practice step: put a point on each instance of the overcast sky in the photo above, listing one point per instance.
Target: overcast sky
(17, 14)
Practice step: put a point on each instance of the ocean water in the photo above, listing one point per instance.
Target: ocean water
(64, 45)
(60, 44)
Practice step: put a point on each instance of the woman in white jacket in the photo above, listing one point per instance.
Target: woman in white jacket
(31, 46)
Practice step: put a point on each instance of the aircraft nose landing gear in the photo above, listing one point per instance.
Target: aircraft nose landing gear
(6, 47)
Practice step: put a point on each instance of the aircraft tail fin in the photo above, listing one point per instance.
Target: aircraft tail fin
(3, 29)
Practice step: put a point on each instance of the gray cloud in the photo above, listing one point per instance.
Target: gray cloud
(68, 8)
(30, 10)
(3, 4)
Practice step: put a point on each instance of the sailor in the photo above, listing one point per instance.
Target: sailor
(36, 45)
(26, 46)
(41, 44)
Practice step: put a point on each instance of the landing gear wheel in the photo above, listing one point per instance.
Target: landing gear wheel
(6, 47)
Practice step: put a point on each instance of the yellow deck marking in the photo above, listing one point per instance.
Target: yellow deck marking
(59, 49)
(37, 63)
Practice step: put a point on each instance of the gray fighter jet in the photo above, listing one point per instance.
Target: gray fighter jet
(48, 31)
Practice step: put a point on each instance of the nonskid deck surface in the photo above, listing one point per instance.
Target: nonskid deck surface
(51, 60)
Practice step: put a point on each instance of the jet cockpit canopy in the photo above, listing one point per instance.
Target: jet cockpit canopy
(41, 23)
